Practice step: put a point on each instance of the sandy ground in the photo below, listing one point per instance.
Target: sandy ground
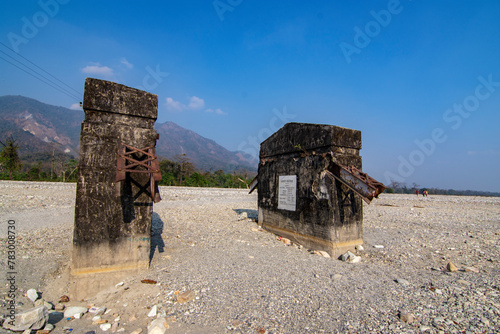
(243, 280)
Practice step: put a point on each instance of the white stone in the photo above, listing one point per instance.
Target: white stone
(378, 246)
(137, 331)
(105, 327)
(32, 294)
(100, 311)
(153, 312)
(158, 326)
(72, 310)
(355, 259)
(324, 254)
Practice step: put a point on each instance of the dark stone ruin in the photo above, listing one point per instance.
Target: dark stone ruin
(116, 186)
(311, 186)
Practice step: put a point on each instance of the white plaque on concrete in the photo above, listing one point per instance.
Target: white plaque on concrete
(287, 194)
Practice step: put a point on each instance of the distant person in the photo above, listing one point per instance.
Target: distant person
(416, 192)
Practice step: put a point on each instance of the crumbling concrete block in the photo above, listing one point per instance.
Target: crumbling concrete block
(112, 233)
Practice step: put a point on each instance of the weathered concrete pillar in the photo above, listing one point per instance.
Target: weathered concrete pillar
(301, 195)
(112, 233)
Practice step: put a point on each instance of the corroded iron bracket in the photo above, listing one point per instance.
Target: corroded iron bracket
(361, 183)
(127, 162)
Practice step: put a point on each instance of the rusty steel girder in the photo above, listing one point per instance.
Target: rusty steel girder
(126, 163)
(361, 183)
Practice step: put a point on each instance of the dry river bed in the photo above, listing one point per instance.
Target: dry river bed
(244, 280)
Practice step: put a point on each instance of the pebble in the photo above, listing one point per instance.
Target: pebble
(406, 317)
(185, 296)
(402, 281)
(32, 294)
(152, 312)
(158, 326)
(105, 327)
(137, 331)
(276, 291)
(72, 310)
(451, 267)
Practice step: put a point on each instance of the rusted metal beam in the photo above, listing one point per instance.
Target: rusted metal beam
(361, 183)
(127, 164)
(253, 185)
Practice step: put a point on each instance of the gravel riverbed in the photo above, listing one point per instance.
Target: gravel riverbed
(240, 279)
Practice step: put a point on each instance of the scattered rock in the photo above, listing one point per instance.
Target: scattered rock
(378, 246)
(402, 281)
(34, 318)
(119, 284)
(59, 307)
(32, 294)
(451, 267)
(41, 302)
(137, 331)
(425, 329)
(99, 322)
(114, 327)
(48, 327)
(100, 311)
(350, 257)
(72, 310)
(472, 270)
(148, 281)
(322, 253)
(63, 299)
(406, 317)
(185, 296)
(243, 216)
(158, 326)
(286, 241)
(105, 327)
(359, 248)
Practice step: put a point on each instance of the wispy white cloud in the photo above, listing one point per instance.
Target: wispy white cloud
(97, 69)
(126, 63)
(196, 103)
(75, 106)
(216, 111)
(173, 105)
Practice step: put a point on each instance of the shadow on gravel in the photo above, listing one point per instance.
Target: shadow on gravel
(156, 239)
(252, 214)
(55, 317)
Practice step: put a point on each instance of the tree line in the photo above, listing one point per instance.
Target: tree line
(60, 167)
(403, 188)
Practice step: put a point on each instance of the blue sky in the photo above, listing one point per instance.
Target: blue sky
(420, 79)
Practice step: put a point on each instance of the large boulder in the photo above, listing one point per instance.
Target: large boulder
(34, 319)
